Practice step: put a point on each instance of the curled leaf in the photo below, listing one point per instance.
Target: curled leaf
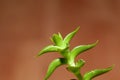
(57, 39)
(70, 36)
(49, 48)
(79, 49)
(54, 64)
(90, 75)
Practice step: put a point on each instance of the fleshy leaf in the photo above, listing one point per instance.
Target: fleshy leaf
(70, 36)
(79, 49)
(59, 34)
(80, 63)
(49, 48)
(77, 67)
(57, 39)
(90, 75)
(54, 64)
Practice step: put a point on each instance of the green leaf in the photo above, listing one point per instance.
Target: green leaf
(70, 36)
(80, 63)
(77, 66)
(59, 34)
(79, 49)
(90, 75)
(57, 39)
(54, 64)
(49, 48)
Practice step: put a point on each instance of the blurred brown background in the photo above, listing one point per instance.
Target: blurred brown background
(26, 26)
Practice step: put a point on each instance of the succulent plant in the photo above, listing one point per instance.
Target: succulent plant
(62, 45)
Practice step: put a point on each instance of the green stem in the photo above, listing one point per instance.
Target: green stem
(78, 75)
(71, 63)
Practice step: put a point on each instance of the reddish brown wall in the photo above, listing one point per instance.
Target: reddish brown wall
(26, 25)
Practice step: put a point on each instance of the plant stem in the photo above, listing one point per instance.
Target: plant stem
(78, 75)
(71, 63)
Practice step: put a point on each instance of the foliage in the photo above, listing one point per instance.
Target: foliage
(62, 45)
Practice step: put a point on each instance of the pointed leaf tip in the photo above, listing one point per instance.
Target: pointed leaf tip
(70, 36)
(78, 28)
(53, 65)
(79, 49)
(97, 42)
(94, 44)
(94, 73)
(50, 48)
(60, 35)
